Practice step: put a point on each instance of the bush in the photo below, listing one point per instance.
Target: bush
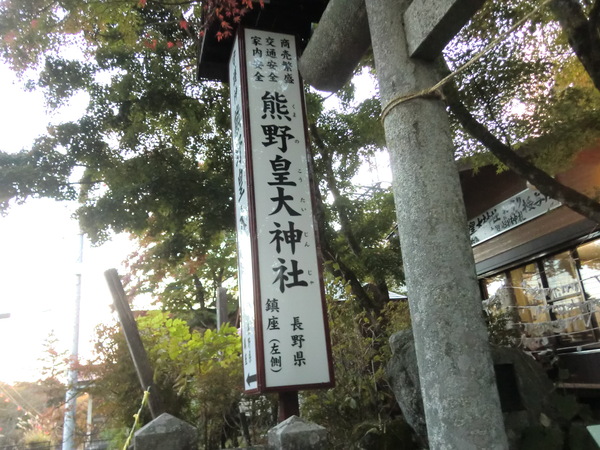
(360, 411)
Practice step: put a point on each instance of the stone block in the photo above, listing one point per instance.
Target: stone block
(297, 434)
(166, 432)
(528, 383)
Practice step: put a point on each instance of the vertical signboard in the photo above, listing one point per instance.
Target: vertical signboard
(284, 323)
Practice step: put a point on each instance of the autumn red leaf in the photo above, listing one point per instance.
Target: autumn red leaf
(227, 13)
(9, 37)
(183, 24)
(151, 44)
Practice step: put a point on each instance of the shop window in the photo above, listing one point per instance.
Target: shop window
(530, 300)
(500, 311)
(555, 300)
(498, 293)
(572, 321)
(589, 270)
(589, 267)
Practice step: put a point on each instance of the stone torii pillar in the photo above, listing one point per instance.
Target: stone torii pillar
(461, 402)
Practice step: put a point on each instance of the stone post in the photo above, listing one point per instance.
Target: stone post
(461, 403)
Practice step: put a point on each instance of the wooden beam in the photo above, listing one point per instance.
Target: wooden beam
(134, 342)
(288, 405)
(431, 24)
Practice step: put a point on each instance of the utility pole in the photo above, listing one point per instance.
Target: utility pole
(72, 375)
(221, 307)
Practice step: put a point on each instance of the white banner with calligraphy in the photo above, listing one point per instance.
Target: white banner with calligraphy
(520, 208)
(284, 323)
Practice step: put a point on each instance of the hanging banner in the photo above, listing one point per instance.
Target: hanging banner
(284, 323)
(512, 212)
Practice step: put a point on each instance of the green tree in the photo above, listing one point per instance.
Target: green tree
(151, 155)
(198, 371)
(149, 123)
(117, 390)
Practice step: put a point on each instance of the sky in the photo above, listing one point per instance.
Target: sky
(39, 249)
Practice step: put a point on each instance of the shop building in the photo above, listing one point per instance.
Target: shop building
(539, 263)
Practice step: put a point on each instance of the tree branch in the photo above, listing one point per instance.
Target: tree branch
(329, 254)
(547, 185)
(338, 200)
(582, 34)
(595, 15)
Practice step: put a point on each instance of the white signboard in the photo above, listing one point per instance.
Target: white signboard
(518, 209)
(284, 324)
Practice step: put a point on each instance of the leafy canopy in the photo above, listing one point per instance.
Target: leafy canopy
(530, 90)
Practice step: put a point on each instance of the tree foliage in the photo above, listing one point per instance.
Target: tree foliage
(151, 155)
(529, 90)
(532, 100)
(360, 411)
(32, 413)
(198, 372)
